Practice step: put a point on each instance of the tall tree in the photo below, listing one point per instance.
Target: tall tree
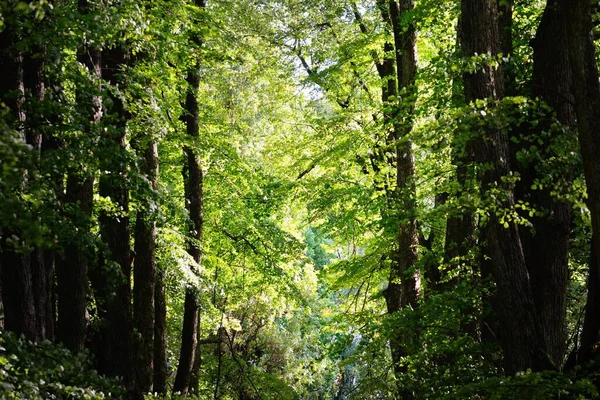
(27, 276)
(398, 94)
(72, 266)
(42, 266)
(144, 274)
(519, 337)
(17, 279)
(115, 351)
(546, 245)
(193, 181)
(586, 92)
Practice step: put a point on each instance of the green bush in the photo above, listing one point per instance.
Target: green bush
(48, 371)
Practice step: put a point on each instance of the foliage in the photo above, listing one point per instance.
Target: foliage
(49, 371)
(299, 223)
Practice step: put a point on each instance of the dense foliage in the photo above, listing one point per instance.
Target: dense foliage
(299, 199)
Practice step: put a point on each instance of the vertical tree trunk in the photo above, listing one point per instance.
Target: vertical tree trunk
(16, 268)
(547, 249)
(193, 194)
(42, 274)
(144, 274)
(115, 231)
(398, 93)
(160, 335)
(505, 21)
(460, 224)
(72, 267)
(516, 312)
(405, 45)
(586, 91)
(193, 180)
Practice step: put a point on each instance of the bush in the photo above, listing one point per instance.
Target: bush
(48, 371)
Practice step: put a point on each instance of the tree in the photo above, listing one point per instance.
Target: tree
(519, 337)
(72, 267)
(586, 92)
(547, 248)
(189, 357)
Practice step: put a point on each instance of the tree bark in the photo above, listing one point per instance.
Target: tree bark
(519, 337)
(72, 267)
(586, 91)
(144, 275)
(398, 93)
(193, 181)
(19, 271)
(546, 248)
(160, 335)
(460, 224)
(505, 21)
(71, 270)
(116, 349)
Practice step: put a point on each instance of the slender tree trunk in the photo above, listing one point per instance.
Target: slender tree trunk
(519, 339)
(398, 73)
(160, 335)
(144, 274)
(586, 91)
(405, 45)
(193, 180)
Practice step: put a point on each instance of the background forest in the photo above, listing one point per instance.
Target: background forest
(299, 199)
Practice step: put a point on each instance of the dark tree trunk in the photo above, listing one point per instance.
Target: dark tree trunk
(586, 91)
(42, 267)
(71, 271)
(405, 45)
(144, 274)
(116, 348)
(519, 339)
(546, 248)
(398, 93)
(72, 267)
(189, 343)
(505, 21)
(193, 181)
(460, 224)
(160, 335)
(193, 194)
(19, 271)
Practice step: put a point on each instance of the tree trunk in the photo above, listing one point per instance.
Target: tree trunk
(117, 335)
(519, 337)
(586, 91)
(193, 187)
(460, 224)
(505, 21)
(398, 93)
(17, 269)
(71, 270)
(72, 267)
(160, 335)
(547, 249)
(144, 274)
(193, 181)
